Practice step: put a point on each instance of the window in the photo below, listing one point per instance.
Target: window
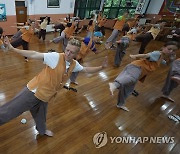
(112, 8)
(115, 8)
(84, 8)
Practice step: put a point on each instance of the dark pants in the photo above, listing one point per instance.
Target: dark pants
(169, 83)
(126, 82)
(22, 102)
(42, 33)
(120, 51)
(59, 26)
(18, 42)
(144, 39)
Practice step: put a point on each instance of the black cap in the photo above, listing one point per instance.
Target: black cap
(1, 30)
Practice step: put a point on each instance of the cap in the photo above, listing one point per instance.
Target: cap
(98, 34)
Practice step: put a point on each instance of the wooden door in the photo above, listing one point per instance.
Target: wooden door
(21, 14)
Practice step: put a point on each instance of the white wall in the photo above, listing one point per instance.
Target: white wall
(36, 7)
(154, 6)
(10, 6)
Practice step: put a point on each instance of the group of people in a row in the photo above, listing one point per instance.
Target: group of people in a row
(62, 66)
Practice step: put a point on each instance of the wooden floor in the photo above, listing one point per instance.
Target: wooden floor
(76, 117)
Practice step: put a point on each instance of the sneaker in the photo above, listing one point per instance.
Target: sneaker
(173, 118)
(175, 78)
(168, 98)
(135, 93)
(113, 47)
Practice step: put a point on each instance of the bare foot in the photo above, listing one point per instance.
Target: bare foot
(49, 133)
(112, 88)
(107, 45)
(167, 97)
(123, 108)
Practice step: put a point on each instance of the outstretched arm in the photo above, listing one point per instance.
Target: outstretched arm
(138, 56)
(96, 69)
(26, 53)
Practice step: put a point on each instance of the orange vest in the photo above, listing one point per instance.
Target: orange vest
(23, 30)
(131, 23)
(49, 81)
(102, 22)
(84, 50)
(1, 42)
(146, 66)
(91, 27)
(27, 35)
(119, 24)
(99, 18)
(69, 31)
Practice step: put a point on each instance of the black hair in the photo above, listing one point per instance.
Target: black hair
(69, 24)
(1, 30)
(171, 43)
(68, 18)
(90, 22)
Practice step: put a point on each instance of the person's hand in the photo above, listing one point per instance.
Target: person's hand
(72, 37)
(105, 62)
(119, 41)
(132, 56)
(7, 43)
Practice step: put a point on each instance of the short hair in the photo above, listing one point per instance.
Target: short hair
(75, 42)
(172, 43)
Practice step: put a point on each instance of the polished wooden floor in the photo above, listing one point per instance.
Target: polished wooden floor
(76, 117)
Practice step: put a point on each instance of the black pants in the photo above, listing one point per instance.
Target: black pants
(144, 39)
(42, 33)
(18, 42)
(59, 26)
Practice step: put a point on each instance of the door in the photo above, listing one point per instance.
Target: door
(21, 14)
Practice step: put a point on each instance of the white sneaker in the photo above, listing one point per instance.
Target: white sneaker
(167, 97)
(175, 78)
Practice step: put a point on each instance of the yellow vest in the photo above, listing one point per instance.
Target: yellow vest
(49, 81)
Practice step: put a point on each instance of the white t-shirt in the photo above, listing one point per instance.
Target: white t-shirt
(51, 59)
